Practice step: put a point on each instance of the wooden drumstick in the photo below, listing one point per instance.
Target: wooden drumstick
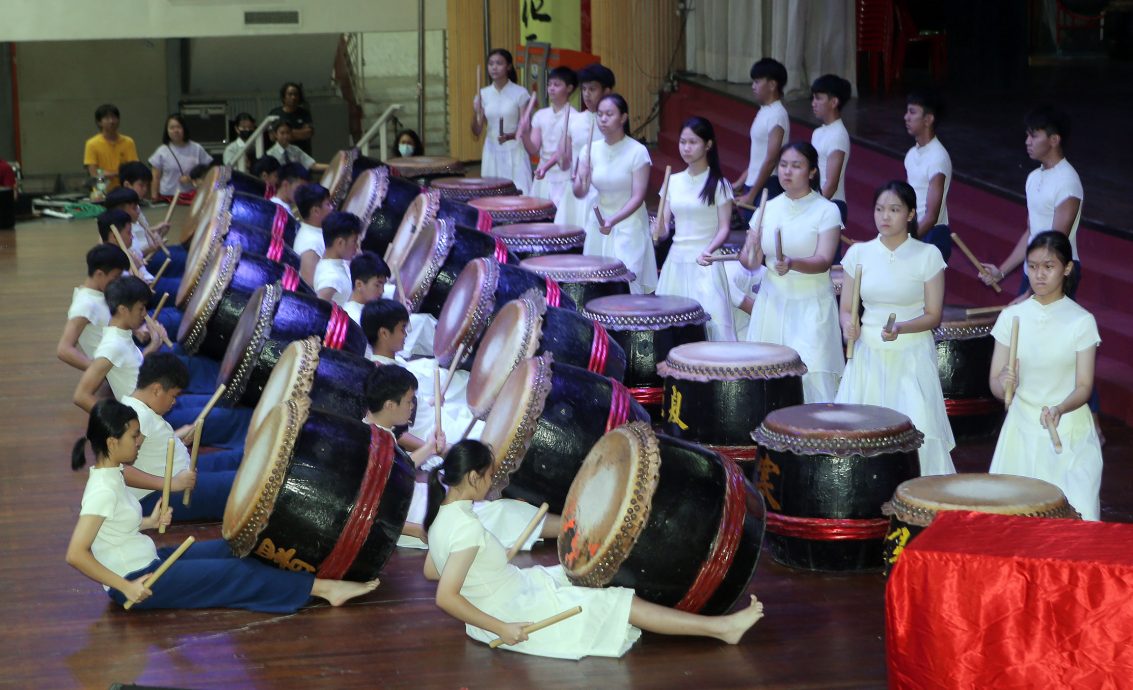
(172, 205)
(657, 231)
(168, 483)
(534, 627)
(157, 276)
(198, 426)
(889, 324)
(601, 220)
(1055, 439)
(1012, 361)
(748, 207)
(468, 429)
(479, 77)
(452, 367)
(160, 305)
(855, 308)
(779, 244)
(501, 126)
(129, 254)
(713, 258)
(526, 533)
(152, 323)
(163, 567)
(438, 399)
(979, 311)
(757, 226)
(975, 262)
(593, 121)
(847, 240)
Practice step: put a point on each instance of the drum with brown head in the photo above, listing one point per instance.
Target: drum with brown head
(422, 169)
(515, 209)
(583, 278)
(464, 188)
(963, 357)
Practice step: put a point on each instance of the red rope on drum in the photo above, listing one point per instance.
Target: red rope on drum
(483, 220)
(648, 395)
(279, 221)
(826, 529)
(290, 278)
(554, 292)
(336, 328)
(501, 251)
(723, 551)
(962, 407)
(361, 519)
(619, 406)
(269, 191)
(735, 453)
(275, 249)
(599, 348)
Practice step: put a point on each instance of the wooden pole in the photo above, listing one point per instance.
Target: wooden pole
(438, 400)
(164, 566)
(160, 305)
(662, 227)
(152, 323)
(757, 226)
(601, 221)
(526, 533)
(168, 483)
(889, 324)
(468, 429)
(713, 258)
(546, 622)
(975, 262)
(452, 367)
(979, 311)
(1055, 439)
(172, 205)
(1012, 361)
(855, 309)
(129, 255)
(160, 271)
(779, 244)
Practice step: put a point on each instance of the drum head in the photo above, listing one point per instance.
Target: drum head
(367, 194)
(206, 296)
(917, 501)
(291, 379)
(512, 338)
(248, 337)
(216, 201)
(469, 187)
(425, 253)
(540, 237)
(517, 207)
(731, 361)
(202, 250)
(510, 425)
(644, 312)
(422, 166)
(955, 324)
(261, 473)
(571, 268)
(466, 310)
(839, 430)
(421, 213)
(338, 173)
(609, 504)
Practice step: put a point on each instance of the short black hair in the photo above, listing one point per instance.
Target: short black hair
(309, 196)
(292, 171)
(129, 173)
(266, 165)
(115, 217)
(368, 265)
(121, 196)
(104, 110)
(769, 68)
(126, 291)
(564, 74)
(596, 72)
(165, 368)
(106, 257)
(833, 85)
(280, 123)
(388, 382)
(1049, 119)
(298, 87)
(930, 101)
(240, 117)
(165, 128)
(382, 313)
(340, 224)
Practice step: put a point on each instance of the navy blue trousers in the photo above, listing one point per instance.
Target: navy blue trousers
(215, 472)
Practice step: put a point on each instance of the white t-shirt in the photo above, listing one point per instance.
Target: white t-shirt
(151, 456)
(89, 304)
(117, 345)
(1046, 189)
(767, 119)
(334, 273)
(232, 151)
(354, 309)
(175, 161)
(922, 163)
(309, 238)
(118, 545)
(826, 140)
(551, 126)
(292, 154)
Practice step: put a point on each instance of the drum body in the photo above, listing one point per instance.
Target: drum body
(527, 327)
(824, 472)
(208, 243)
(671, 520)
(422, 169)
(388, 199)
(483, 287)
(464, 188)
(214, 310)
(319, 493)
(222, 176)
(544, 421)
(257, 212)
(964, 347)
(647, 327)
(341, 172)
(584, 278)
(916, 503)
(526, 240)
(717, 392)
(515, 209)
(273, 319)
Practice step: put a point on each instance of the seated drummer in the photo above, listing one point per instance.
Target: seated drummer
(369, 274)
(267, 169)
(285, 152)
(314, 204)
(127, 201)
(137, 176)
(161, 379)
(341, 234)
(117, 361)
(88, 313)
(291, 177)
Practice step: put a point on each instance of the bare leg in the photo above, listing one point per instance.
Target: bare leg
(338, 592)
(667, 621)
(551, 526)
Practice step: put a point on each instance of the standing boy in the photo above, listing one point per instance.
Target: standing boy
(768, 132)
(828, 95)
(108, 150)
(929, 169)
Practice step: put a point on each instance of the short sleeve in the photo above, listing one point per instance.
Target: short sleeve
(723, 192)
(522, 97)
(156, 159)
(131, 150)
(940, 164)
(307, 160)
(203, 157)
(932, 261)
(83, 308)
(541, 119)
(640, 158)
(840, 141)
(1087, 333)
(99, 501)
(1071, 188)
(1001, 331)
(90, 157)
(467, 533)
(851, 260)
(324, 277)
(831, 217)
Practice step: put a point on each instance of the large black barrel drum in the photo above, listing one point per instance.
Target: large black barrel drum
(584, 278)
(538, 239)
(383, 201)
(208, 243)
(266, 215)
(963, 357)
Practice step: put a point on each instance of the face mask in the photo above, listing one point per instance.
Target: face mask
(405, 150)
(244, 133)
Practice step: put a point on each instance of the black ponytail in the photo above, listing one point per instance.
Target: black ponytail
(464, 457)
(78, 453)
(108, 419)
(621, 105)
(506, 55)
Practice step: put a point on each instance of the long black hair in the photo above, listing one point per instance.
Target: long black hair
(184, 128)
(621, 105)
(811, 155)
(703, 129)
(464, 457)
(108, 419)
(1058, 244)
(506, 55)
(905, 193)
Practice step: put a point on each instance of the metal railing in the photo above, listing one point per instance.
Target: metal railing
(379, 128)
(256, 138)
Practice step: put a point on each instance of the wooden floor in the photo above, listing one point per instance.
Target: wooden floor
(61, 631)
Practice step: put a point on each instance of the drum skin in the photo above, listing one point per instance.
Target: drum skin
(539, 239)
(466, 245)
(387, 218)
(257, 212)
(515, 209)
(465, 188)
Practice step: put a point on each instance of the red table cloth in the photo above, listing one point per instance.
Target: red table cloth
(1004, 602)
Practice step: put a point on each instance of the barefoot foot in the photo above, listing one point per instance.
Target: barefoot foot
(338, 592)
(733, 626)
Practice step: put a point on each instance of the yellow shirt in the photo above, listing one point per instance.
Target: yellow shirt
(109, 155)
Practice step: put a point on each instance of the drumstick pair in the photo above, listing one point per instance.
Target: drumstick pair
(198, 426)
(157, 312)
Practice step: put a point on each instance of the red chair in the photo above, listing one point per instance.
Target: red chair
(908, 35)
(1070, 20)
(875, 38)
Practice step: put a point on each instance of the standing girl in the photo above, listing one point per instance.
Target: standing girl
(172, 161)
(477, 585)
(546, 134)
(700, 200)
(795, 304)
(1055, 373)
(501, 103)
(108, 547)
(618, 167)
(895, 367)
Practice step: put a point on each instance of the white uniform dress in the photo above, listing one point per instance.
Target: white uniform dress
(89, 304)
(902, 374)
(1050, 338)
(512, 594)
(551, 125)
(696, 225)
(798, 309)
(629, 241)
(504, 518)
(572, 210)
(509, 159)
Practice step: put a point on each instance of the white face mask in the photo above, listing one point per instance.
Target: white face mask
(405, 150)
